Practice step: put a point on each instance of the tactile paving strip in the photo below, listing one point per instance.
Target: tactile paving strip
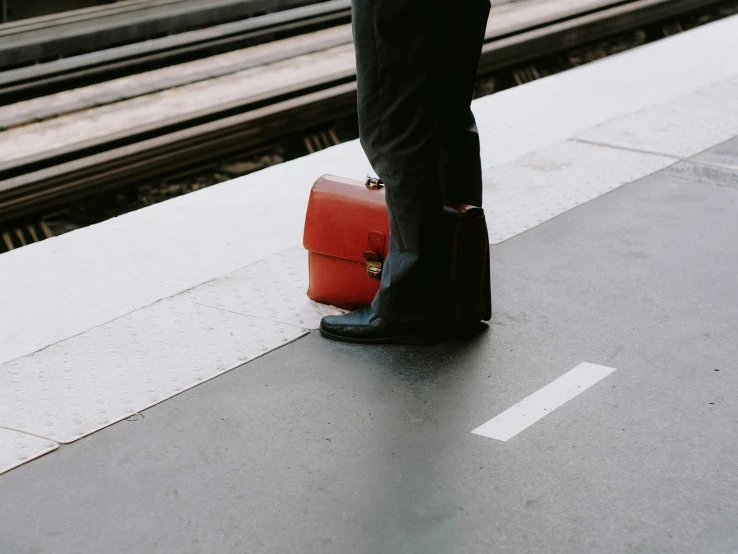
(273, 289)
(682, 127)
(58, 288)
(18, 448)
(75, 387)
(541, 185)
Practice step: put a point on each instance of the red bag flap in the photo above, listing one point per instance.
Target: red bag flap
(341, 215)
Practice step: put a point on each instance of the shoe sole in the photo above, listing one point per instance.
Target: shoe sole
(407, 339)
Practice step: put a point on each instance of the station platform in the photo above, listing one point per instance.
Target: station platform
(168, 357)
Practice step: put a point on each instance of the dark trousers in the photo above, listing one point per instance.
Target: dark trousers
(417, 63)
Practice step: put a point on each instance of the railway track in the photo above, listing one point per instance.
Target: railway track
(95, 67)
(70, 33)
(521, 33)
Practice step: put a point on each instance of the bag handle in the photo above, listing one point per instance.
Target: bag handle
(373, 183)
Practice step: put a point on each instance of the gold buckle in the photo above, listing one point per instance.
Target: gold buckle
(374, 269)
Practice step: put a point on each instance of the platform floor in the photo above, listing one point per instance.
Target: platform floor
(325, 447)
(613, 224)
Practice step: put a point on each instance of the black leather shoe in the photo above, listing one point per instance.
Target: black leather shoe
(364, 326)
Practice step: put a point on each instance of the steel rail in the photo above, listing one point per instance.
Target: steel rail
(524, 46)
(47, 78)
(191, 146)
(28, 44)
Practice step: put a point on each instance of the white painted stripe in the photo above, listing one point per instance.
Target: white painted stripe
(542, 402)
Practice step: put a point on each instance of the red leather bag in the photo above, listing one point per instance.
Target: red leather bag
(347, 238)
(344, 220)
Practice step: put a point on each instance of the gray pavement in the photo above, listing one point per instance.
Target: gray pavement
(329, 447)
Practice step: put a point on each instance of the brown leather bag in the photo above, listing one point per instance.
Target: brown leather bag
(470, 295)
(347, 237)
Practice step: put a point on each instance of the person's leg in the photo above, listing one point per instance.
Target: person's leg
(399, 48)
(402, 53)
(461, 167)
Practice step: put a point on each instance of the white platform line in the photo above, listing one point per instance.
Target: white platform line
(542, 402)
